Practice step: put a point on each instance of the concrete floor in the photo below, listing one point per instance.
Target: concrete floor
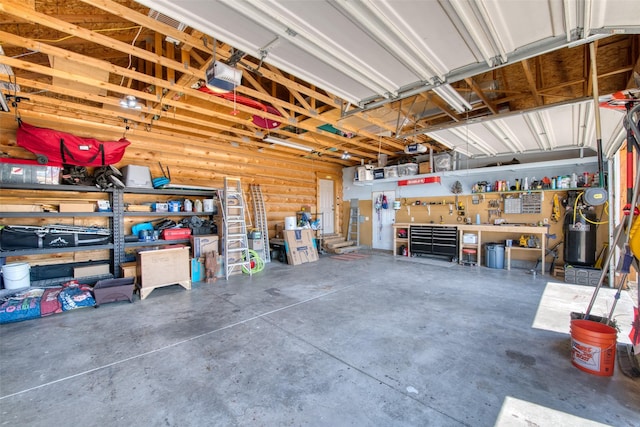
(380, 341)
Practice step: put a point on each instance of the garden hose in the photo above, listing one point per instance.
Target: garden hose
(258, 263)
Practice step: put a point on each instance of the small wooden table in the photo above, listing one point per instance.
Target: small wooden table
(163, 267)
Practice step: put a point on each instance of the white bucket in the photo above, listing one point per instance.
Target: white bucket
(290, 223)
(208, 205)
(16, 275)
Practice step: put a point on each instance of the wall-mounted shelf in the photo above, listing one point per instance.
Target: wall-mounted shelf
(53, 214)
(116, 217)
(54, 187)
(35, 251)
(155, 243)
(171, 191)
(163, 214)
(492, 170)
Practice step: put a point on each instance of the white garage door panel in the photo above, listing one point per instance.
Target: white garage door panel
(561, 127)
(377, 43)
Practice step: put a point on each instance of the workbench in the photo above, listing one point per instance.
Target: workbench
(479, 229)
(505, 229)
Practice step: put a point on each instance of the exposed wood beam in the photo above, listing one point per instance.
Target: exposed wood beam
(157, 82)
(296, 94)
(531, 81)
(478, 91)
(113, 119)
(14, 8)
(176, 144)
(147, 22)
(253, 82)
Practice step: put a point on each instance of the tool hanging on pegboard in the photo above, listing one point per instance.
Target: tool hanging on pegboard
(555, 212)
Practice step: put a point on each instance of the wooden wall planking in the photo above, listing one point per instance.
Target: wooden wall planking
(286, 185)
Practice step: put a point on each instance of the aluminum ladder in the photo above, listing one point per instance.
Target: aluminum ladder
(260, 215)
(235, 242)
(353, 232)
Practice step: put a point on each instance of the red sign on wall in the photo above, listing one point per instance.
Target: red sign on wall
(423, 180)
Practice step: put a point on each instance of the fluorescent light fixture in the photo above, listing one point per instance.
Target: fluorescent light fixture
(286, 143)
(453, 98)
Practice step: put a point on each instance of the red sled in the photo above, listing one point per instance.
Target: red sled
(59, 147)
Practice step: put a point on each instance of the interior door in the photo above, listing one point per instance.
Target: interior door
(326, 205)
(383, 220)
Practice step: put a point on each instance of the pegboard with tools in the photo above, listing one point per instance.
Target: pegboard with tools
(494, 208)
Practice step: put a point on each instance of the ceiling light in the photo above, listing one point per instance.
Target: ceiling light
(286, 143)
(345, 156)
(453, 98)
(130, 101)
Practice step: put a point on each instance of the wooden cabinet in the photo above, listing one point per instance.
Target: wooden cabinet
(163, 267)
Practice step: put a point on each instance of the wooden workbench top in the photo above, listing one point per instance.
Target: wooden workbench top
(504, 228)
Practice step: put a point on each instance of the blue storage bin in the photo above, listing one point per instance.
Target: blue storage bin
(494, 254)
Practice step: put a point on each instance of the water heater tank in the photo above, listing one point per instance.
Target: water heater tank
(580, 238)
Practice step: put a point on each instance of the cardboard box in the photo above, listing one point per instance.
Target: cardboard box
(256, 244)
(91, 270)
(300, 246)
(200, 245)
(424, 167)
(77, 207)
(129, 269)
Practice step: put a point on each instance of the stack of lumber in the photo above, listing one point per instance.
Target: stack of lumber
(336, 244)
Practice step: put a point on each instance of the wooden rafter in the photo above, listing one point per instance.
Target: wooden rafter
(478, 91)
(526, 67)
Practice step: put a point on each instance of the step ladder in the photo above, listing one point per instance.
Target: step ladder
(235, 243)
(353, 232)
(260, 215)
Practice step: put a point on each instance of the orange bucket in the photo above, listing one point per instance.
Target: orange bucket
(593, 347)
